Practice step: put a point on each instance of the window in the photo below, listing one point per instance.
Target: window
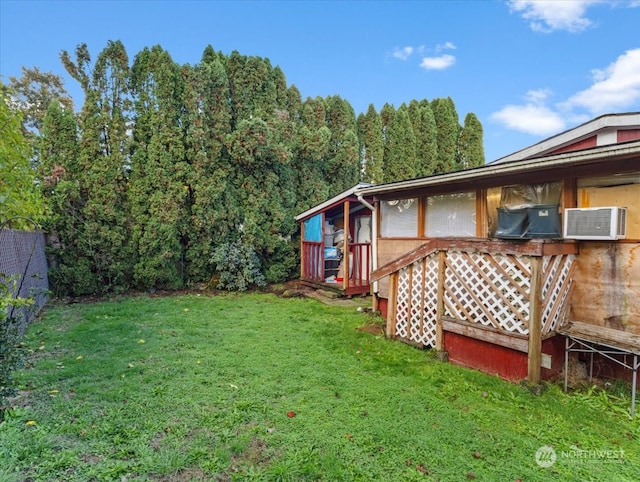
(451, 215)
(399, 218)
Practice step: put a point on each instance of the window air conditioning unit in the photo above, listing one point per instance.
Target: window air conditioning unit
(601, 223)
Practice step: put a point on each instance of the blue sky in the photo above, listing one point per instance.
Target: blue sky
(528, 69)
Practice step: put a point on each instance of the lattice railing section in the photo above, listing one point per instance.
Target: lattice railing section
(490, 289)
(556, 286)
(416, 302)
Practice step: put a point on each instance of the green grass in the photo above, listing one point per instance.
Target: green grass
(191, 388)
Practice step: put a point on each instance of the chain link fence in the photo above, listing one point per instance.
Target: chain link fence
(23, 269)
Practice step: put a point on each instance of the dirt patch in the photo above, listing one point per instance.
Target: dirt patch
(91, 458)
(186, 475)
(256, 454)
(376, 329)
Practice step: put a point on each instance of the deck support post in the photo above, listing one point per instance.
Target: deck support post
(534, 358)
(440, 301)
(391, 305)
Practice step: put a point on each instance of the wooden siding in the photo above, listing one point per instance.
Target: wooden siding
(627, 196)
(607, 286)
(390, 249)
(578, 146)
(625, 135)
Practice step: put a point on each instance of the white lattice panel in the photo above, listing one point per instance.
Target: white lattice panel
(430, 311)
(486, 288)
(416, 304)
(492, 290)
(415, 311)
(555, 290)
(403, 302)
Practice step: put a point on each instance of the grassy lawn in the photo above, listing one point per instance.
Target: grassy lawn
(256, 387)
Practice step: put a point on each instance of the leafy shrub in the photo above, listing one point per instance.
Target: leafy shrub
(11, 327)
(238, 266)
(283, 264)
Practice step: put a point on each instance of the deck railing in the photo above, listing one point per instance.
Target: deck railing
(313, 260)
(510, 295)
(358, 259)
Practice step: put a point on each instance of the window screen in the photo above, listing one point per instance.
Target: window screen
(399, 218)
(451, 215)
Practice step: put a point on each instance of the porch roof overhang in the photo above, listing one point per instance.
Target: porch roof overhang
(617, 158)
(333, 201)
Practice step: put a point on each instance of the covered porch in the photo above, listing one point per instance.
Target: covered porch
(335, 251)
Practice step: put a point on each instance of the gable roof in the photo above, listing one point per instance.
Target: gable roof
(334, 200)
(601, 131)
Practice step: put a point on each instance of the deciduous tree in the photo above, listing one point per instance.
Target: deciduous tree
(19, 195)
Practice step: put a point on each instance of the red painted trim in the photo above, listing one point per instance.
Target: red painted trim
(625, 135)
(578, 146)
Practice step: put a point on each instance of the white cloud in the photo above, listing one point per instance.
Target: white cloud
(614, 88)
(537, 96)
(448, 46)
(438, 63)
(549, 15)
(530, 119)
(403, 53)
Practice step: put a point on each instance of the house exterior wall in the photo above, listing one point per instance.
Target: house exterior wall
(605, 280)
(627, 195)
(607, 286)
(388, 250)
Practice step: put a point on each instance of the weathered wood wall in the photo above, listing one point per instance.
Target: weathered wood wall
(623, 196)
(389, 250)
(607, 286)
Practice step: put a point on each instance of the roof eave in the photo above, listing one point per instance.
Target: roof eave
(514, 167)
(330, 202)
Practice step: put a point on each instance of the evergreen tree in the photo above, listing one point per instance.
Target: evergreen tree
(103, 244)
(387, 114)
(265, 191)
(312, 152)
(342, 169)
(448, 130)
(159, 172)
(252, 86)
(60, 173)
(400, 148)
(371, 147)
(424, 129)
(215, 212)
(470, 146)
